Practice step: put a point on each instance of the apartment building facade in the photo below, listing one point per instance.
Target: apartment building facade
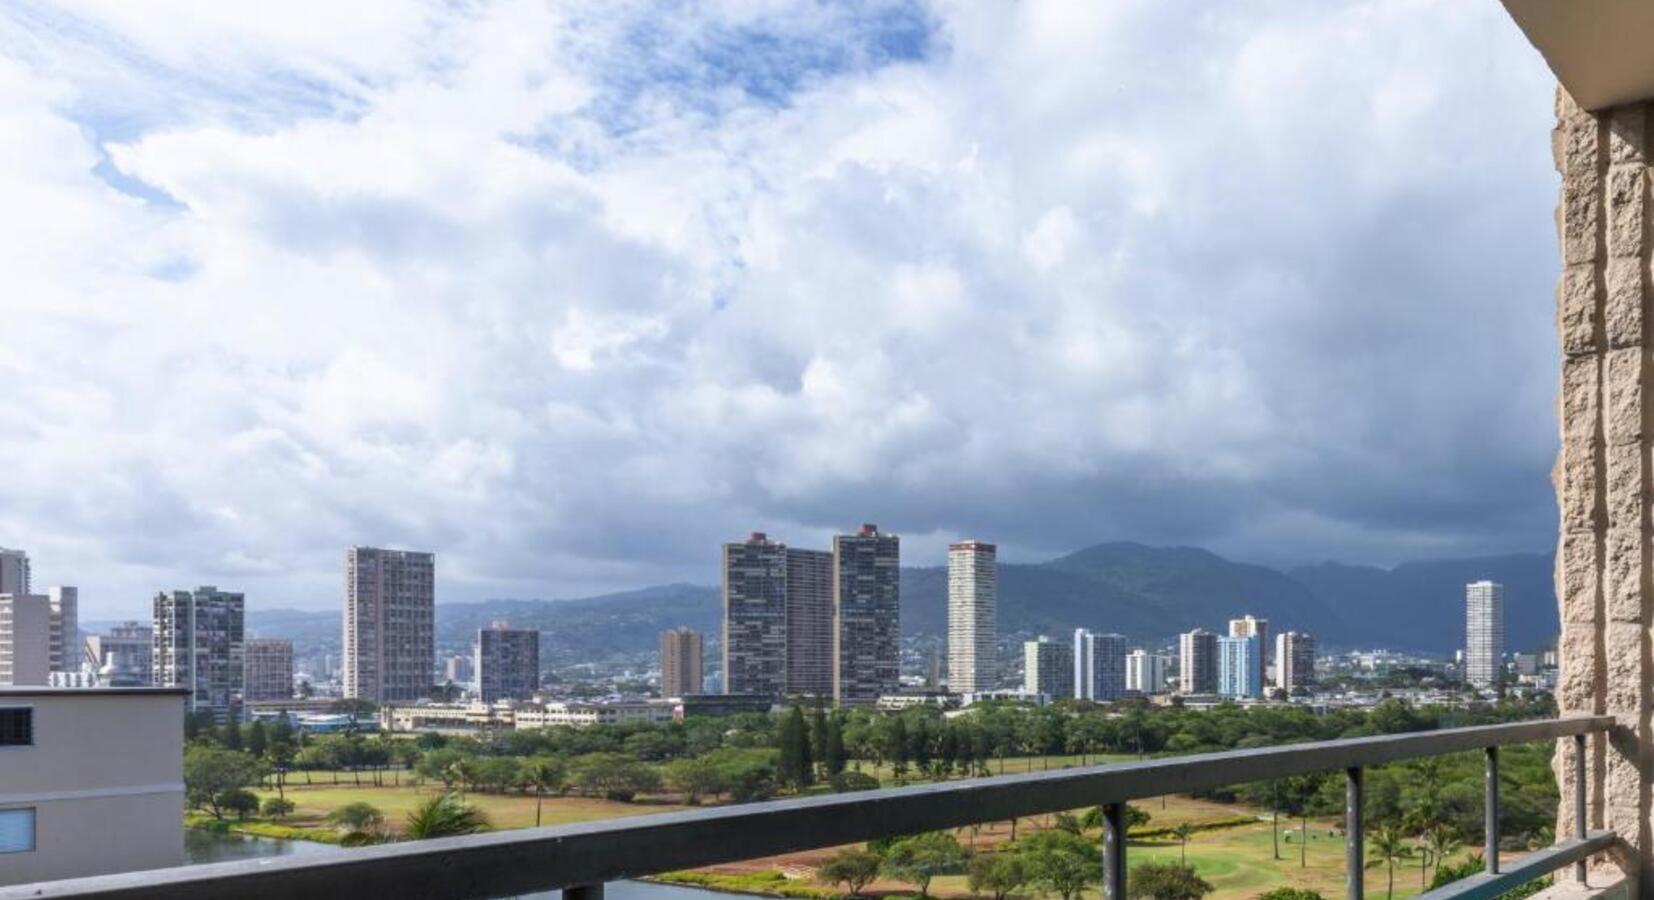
(389, 624)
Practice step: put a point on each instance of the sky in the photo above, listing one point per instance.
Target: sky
(571, 293)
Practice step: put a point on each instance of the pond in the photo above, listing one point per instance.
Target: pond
(208, 847)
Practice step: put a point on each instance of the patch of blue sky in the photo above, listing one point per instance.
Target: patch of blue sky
(706, 68)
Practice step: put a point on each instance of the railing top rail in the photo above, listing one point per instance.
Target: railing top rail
(521, 861)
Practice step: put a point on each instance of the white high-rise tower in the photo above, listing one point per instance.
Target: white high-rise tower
(1484, 638)
(973, 616)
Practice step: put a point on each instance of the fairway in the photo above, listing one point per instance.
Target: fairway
(504, 811)
(1236, 859)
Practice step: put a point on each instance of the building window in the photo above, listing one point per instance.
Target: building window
(16, 727)
(16, 830)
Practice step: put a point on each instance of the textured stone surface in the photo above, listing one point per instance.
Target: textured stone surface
(1626, 505)
(1624, 552)
(1623, 399)
(1578, 577)
(1627, 186)
(1604, 565)
(1623, 312)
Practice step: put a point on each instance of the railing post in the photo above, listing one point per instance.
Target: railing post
(583, 892)
(1354, 841)
(1579, 800)
(1490, 811)
(1114, 851)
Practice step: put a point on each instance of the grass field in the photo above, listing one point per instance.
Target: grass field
(1237, 860)
(511, 811)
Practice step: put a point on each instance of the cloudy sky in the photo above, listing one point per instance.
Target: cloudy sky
(571, 292)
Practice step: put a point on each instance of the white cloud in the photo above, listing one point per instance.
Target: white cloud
(571, 292)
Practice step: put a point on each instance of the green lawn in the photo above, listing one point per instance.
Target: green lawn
(1238, 861)
(504, 811)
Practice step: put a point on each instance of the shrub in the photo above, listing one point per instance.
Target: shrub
(359, 816)
(1291, 893)
(276, 808)
(844, 782)
(1166, 881)
(241, 802)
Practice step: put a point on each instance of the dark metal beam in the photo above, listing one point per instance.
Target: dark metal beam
(1114, 851)
(522, 861)
(1490, 810)
(1355, 836)
(1520, 871)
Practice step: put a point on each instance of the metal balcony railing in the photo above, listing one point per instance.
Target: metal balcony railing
(580, 858)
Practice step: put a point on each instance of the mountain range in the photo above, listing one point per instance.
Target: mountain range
(1147, 593)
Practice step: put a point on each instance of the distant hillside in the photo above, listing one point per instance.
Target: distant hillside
(1146, 593)
(591, 627)
(1421, 604)
(1140, 591)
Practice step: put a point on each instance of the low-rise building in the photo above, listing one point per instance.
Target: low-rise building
(455, 718)
(899, 702)
(92, 781)
(722, 704)
(579, 714)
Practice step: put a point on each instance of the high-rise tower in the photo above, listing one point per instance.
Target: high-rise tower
(1484, 641)
(867, 608)
(1197, 662)
(973, 616)
(200, 645)
(389, 624)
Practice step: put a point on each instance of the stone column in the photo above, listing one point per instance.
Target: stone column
(1603, 574)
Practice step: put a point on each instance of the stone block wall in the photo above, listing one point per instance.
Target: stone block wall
(1603, 572)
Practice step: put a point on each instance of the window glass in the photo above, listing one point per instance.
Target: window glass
(16, 830)
(16, 727)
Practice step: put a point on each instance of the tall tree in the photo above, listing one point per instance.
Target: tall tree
(832, 760)
(818, 740)
(1389, 847)
(257, 741)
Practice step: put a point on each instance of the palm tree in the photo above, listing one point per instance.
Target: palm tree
(460, 772)
(1442, 841)
(1182, 832)
(1389, 847)
(542, 774)
(444, 815)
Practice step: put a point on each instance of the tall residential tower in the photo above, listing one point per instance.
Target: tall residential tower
(1294, 661)
(1099, 666)
(1047, 668)
(200, 645)
(1252, 626)
(1484, 642)
(867, 608)
(973, 616)
(1197, 659)
(755, 616)
(389, 624)
(681, 668)
(508, 662)
(269, 667)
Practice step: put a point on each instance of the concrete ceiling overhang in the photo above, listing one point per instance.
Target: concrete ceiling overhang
(1601, 50)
